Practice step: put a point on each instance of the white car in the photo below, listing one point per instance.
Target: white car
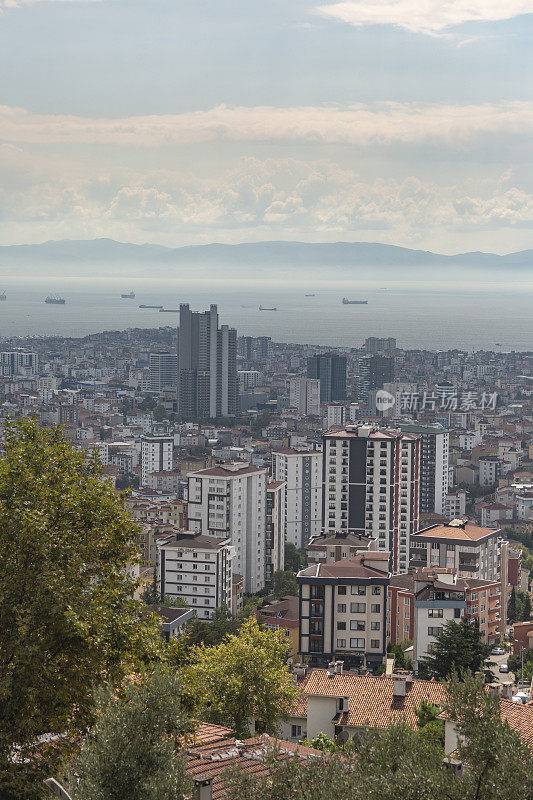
(503, 668)
(497, 651)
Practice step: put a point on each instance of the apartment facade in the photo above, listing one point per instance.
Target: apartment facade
(330, 369)
(304, 396)
(434, 465)
(274, 529)
(163, 371)
(229, 501)
(343, 610)
(207, 365)
(156, 455)
(329, 547)
(301, 471)
(197, 569)
(372, 486)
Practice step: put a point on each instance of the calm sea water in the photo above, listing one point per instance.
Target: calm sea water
(495, 317)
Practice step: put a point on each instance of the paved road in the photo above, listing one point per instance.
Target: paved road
(501, 677)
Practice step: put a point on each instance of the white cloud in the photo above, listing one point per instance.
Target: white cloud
(456, 126)
(424, 16)
(270, 198)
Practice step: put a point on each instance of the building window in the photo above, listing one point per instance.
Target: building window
(457, 613)
(357, 608)
(341, 626)
(375, 608)
(434, 631)
(435, 612)
(341, 608)
(376, 590)
(341, 590)
(375, 626)
(296, 731)
(341, 643)
(358, 644)
(359, 590)
(374, 644)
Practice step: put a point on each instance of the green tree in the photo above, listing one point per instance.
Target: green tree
(243, 677)
(284, 583)
(430, 728)
(295, 559)
(68, 620)
(515, 665)
(159, 413)
(458, 647)
(132, 750)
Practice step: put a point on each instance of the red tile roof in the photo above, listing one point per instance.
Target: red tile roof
(466, 532)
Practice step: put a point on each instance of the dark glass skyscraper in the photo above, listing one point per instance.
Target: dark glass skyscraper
(330, 369)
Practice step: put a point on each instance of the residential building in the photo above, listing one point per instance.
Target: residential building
(274, 529)
(434, 465)
(329, 547)
(282, 615)
(343, 610)
(372, 486)
(330, 369)
(489, 470)
(374, 344)
(249, 379)
(304, 396)
(207, 365)
(301, 471)
(335, 416)
(172, 621)
(197, 569)
(230, 501)
(14, 363)
(156, 455)
(163, 371)
(439, 598)
(374, 371)
(455, 504)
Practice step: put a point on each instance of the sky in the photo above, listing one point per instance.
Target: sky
(181, 122)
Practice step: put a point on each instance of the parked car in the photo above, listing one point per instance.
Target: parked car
(497, 651)
(503, 668)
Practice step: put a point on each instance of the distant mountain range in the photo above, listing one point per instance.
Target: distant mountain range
(277, 254)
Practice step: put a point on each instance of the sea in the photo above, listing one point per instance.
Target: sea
(497, 317)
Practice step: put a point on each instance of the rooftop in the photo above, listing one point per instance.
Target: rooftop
(228, 470)
(458, 529)
(194, 540)
(354, 567)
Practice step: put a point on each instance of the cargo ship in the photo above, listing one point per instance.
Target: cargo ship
(128, 295)
(347, 302)
(262, 308)
(169, 310)
(54, 300)
(159, 307)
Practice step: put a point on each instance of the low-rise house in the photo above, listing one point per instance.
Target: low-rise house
(282, 615)
(171, 620)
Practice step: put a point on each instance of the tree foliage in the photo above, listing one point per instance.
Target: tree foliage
(243, 677)
(458, 647)
(284, 583)
(132, 750)
(295, 559)
(68, 620)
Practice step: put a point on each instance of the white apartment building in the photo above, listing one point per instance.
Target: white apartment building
(229, 501)
(197, 569)
(343, 610)
(275, 536)
(371, 486)
(156, 455)
(304, 396)
(489, 470)
(301, 470)
(434, 465)
(335, 416)
(455, 504)
(18, 363)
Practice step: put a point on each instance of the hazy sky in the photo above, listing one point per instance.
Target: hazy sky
(187, 121)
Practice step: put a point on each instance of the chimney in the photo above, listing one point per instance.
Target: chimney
(202, 789)
(338, 667)
(399, 686)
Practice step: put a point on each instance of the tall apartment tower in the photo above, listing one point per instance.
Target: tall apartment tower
(275, 538)
(18, 362)
(374, 344)
(230, 501)
(372, 486)
(304, 395)
(434, 458)
(301, 470)
(330, 369)
(207, 365)
(374, 371)
(156, 455)
(163, 371)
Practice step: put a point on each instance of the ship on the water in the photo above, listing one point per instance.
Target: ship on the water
(347, 302)
(310, 295)
(262, 308)
(128, 295)
(169, 310)
(3, 296)
(159, 307)
(54, 300)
